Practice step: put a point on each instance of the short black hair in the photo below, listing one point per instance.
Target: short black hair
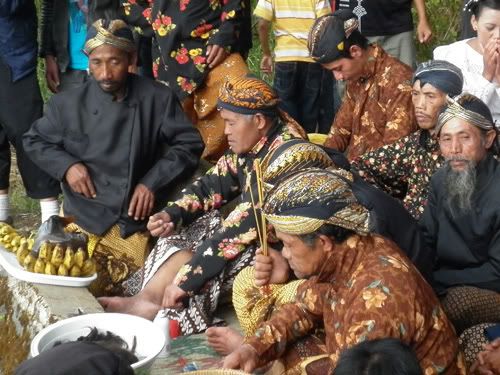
(476, 7)
(387, 356)
(336, 233)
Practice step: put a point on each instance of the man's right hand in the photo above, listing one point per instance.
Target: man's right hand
(52, 73)
(271, 269)
(78, 179)
(245, 358)
(160, 225)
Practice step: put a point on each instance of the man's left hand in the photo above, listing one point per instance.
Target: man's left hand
(424, 31)
(172, 297)
(142, 202)
(245, 358)
(215, 55)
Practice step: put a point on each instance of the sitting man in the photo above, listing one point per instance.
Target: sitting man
(405, 167)
(117, 143)
(377, 108)
(207, 254)
(462, 220)
(353, 286)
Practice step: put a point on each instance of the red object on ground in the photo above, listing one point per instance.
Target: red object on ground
(174, 328)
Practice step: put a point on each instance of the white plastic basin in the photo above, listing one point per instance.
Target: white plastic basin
(150, 340)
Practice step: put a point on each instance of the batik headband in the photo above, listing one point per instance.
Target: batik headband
(115, 33)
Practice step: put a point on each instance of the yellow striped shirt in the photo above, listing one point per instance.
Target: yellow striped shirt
(292, 20)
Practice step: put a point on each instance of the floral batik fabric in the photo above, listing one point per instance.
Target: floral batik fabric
(182, 31)
(403, 169)
(366, 290)
(377, 108)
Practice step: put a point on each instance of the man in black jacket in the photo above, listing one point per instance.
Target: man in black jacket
(116, 143)
(461, 222)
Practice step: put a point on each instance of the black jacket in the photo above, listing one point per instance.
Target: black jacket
(146, 138)
(467, 247)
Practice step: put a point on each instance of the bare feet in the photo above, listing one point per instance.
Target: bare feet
(136, 305)
(224, 340)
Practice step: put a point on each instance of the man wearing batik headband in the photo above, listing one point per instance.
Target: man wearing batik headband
(404, 168)
(187, 273)
(354, 286)
(461, 223)
(377, 108)
(117, 144)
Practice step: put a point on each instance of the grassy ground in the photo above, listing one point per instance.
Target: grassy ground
(444, 17)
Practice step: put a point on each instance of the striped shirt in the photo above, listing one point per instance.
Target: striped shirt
(292, 21)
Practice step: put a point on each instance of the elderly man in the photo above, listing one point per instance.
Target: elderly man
(404, 168)
(195, 49)
(353, 286)
(377, 108)
(117, 143)
(209, 252)
(462, 220)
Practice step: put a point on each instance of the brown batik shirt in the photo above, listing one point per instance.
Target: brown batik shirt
(367, 290)
(377, 108)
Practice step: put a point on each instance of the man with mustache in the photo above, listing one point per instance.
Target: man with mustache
(404, 168)
(117, 143)
(461, 222)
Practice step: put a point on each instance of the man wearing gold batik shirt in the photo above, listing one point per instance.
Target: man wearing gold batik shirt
(353, 286)
(117, 144)
(377, 107)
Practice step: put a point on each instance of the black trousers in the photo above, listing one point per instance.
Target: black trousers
(20, 105)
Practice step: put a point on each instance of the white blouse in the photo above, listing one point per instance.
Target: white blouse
(471, 64)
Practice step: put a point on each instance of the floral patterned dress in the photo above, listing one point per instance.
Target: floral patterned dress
(377, 108)
(183, 29)
(367, 290)
(403, 169)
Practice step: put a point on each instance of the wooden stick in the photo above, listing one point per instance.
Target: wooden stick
(260, 189)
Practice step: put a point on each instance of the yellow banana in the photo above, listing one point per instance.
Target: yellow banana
(62, 270)
(69, 258)
(57, 255)
(50, 269)
(75, 271)
(39, 266)
(80, 257)
(29, 262)
(45, 251)
(89, 267)
(21, 254)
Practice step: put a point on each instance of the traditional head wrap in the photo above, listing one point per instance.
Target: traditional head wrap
(327, 37)
(114, 32)
(468, 108)
(442, 75)
(290, 157)
(304, 201)
(248, 95)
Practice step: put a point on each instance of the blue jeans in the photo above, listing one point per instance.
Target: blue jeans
(298, 85)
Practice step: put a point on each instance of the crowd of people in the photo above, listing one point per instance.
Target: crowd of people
(381, 244)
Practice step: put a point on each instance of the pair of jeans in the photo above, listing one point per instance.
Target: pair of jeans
(299, 87)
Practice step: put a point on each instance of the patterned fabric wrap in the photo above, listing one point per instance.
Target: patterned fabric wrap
(292, 156)
(469, 108)
(303, 202)
(248, 95)
(114, 32)
(441, 74)
(327, 37)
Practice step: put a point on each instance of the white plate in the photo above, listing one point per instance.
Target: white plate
(150, 340)
(9, 262)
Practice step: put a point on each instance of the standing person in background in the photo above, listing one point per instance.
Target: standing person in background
(297, 77)
(20, 105)
(390, 23)
(479, 58)
(64, 28)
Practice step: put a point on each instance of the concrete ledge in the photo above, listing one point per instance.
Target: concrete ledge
(26, 308)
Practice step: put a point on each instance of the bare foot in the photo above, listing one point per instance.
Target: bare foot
(136, 305)
(223, 340)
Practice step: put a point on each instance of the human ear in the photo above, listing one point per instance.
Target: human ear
(473, 22)
(326, 243)
(355, 51)
(490, 138)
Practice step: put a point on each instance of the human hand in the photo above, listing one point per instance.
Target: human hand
(497, 70)
(160, 225)
(266, 64)
(141, 203)
(52, 73)
(244, 358)
(271, 269)
(78, 178)
(488, 361)
(490, 59)
(172, 297)
(215, 55)
(424, 31)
